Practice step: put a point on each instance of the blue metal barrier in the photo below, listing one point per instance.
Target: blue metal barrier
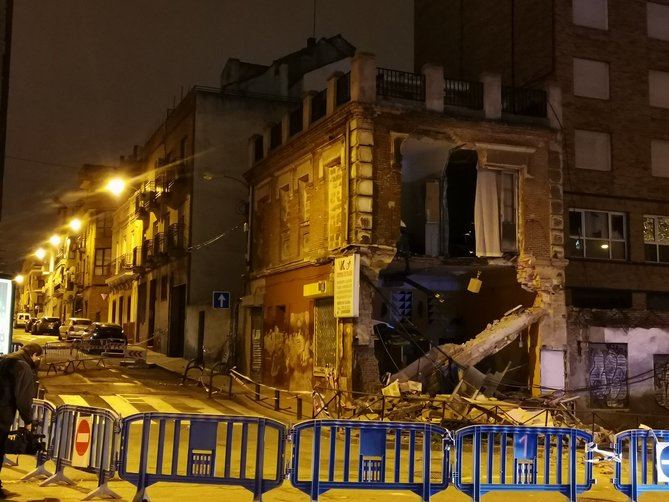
(389, 456)
(543, 459)
(206, 442)
(642, 451)
(104, 442)
(44, 415)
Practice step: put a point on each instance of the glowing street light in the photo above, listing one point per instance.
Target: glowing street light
(18, 279)
(55, 240)
(115, 186)
(40, 253)
(75, 224)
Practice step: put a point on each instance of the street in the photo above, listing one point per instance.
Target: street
(129, 391)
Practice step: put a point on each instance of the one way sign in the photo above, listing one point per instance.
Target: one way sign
(221, 300)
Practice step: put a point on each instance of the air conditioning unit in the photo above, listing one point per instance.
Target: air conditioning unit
(320, 289)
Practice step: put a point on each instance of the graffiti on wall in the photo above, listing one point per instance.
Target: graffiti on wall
(661, 370)
(607, 375)
(288, 354)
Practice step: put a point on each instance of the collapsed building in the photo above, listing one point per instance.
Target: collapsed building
(447, 195)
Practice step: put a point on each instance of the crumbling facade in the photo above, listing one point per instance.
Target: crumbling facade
(610, 59)
(433, 191)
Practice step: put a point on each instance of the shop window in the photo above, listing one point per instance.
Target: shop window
(597, 234)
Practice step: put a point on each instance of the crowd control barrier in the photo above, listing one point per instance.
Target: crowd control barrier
(43, 413)
(372, 455)
(642, 451)
(87, 439)
(206, 443)
(543, 459)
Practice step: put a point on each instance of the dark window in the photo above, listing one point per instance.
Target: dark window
(102, 261)
(129, 310)
(657, 301)
(163, 288)
(601, 298)
(103, 225)
(120, 310)
(597, 234)
(113, 311)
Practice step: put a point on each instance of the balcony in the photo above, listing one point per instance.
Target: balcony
(159, 248)
(525, 102)
(463, 94)
(148, 260)
(143, 198)
(400, 84)
(176, 247)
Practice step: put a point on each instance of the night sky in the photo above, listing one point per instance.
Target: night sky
(91, 78)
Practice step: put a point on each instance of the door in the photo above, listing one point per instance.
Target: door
(152, 308)
(175, 347)
(256, 342)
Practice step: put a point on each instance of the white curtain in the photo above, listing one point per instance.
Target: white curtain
(486, 214)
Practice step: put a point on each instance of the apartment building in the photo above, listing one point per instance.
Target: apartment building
(181, 236)
(414, 192)
(611, 60)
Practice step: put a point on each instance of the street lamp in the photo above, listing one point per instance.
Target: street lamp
(115, 186)
(208, 176)
(55, 240)
(75, 224)
(40, 253)
(18, 279)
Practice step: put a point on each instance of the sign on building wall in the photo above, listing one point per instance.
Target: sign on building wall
(347, 286)
(607, 375)
(661, 374)
(6, 314)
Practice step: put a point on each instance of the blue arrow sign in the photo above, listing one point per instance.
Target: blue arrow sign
(525, 446)
(220, 299)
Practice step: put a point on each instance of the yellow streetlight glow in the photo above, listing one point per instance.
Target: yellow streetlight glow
(75, 224)
(40, 253)
(55, 240)
(115, 186)
(18, 279)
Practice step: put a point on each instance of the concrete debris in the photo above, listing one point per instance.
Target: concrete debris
(491, 340)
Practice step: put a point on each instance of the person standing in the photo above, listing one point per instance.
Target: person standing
(18, 387)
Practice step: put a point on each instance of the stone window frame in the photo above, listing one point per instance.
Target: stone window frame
(655, 243)
(609, 239)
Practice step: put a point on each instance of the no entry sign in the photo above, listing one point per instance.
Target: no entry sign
(81, 453)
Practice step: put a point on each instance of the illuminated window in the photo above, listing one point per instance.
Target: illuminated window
(597, 234)
(656, 238)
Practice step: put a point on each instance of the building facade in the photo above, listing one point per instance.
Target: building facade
(424, 191)
(611, 59)
(182, 236)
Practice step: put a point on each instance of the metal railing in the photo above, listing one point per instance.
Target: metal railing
(527, 102)
(159, 244)
(463, 93)
(400, 84)
(175, 236)
(319, 105)
(343, 94)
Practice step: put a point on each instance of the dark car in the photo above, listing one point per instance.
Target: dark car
(46, 326)
(99, 336)
(29, 324)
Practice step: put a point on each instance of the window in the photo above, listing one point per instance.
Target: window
(102, 260)
(657, 301)
(656, 238)
(658, 88)
(103, 225)
(657, 20)
(597, 234)
(506, 188)
(591, 78)
(163, 287)
(659, 152)
(591, 13)
(600, 299)
(592, 150)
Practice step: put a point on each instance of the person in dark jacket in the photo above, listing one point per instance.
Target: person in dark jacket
(18, 387)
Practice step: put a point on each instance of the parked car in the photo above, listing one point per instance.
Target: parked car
(29, 324)
(74, 328)
(46, 326)
(101, 333)
(21, 319)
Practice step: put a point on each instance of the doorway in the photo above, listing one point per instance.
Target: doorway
(152, 308)
(177, 311)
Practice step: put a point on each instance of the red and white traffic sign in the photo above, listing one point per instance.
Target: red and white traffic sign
(81, 453)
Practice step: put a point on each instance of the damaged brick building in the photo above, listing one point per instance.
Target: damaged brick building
(434, 185)
(611, 60)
